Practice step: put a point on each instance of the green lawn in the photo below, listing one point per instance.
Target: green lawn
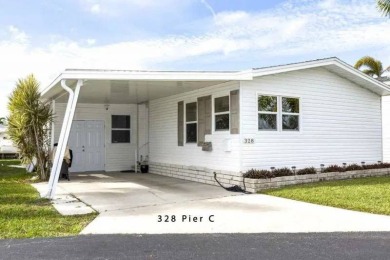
(364, 194)
(23, 214)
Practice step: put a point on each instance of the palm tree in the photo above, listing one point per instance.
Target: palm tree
(384, 6)
(373, 67)
(28, 123)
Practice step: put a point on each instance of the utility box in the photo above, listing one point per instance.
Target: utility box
(207, 146)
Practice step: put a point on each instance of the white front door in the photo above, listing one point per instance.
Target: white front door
(87, 143)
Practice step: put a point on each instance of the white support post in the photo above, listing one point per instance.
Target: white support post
(64, 136)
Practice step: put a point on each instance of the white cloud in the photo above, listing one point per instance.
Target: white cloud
(291, 30)
(124, 7)
(91, 41)
(17, 35)
(95, 8)
(209, 7)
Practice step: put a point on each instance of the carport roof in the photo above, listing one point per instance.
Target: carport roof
(136, 86)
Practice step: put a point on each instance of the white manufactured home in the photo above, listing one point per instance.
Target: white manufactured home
(191, 124)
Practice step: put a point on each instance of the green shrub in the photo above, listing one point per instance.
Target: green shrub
(376, 166)
(258, 174)
(308, 170)
(354, 167)
(282, 172)
(385, 165)
(334, 168)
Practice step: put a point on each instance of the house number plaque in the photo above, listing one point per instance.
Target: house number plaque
(249, 140)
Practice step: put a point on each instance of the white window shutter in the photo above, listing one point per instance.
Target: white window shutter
(235, 112)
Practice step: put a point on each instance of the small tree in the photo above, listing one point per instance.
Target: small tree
(28, 124)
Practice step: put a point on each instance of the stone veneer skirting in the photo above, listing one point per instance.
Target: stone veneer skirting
(255, 185)
(228, 178)
(198, 174)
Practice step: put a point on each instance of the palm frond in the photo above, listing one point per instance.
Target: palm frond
(374, 66)
(384, 6)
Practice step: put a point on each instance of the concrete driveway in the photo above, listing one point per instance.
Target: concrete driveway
(154, 204)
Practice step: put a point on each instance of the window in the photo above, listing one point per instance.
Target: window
(222, 113)
(191, 122)
(290, 113)
(268, 112)
(275, 112)
(120, 129)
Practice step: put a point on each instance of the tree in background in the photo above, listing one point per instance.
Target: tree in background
(384, 6)
(28, 124)
(373, 67)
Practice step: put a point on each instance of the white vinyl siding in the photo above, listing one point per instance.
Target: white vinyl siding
(386, 128)
(119, 156)
(339, 122)
(163, 134)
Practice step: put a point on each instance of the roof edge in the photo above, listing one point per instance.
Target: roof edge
(319, 63)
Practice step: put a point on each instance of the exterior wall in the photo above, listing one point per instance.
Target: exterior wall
(163, 132)
(386, 128)
(339, 121)
(118, 156)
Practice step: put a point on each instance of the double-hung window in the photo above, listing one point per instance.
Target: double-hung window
(267, 112)
(222, 113)
(191, 123)
(120, 129)
(290, 113)
(278, 113)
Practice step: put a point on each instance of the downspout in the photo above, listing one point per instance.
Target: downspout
(53, 109)
(64, 136)
(137, 157)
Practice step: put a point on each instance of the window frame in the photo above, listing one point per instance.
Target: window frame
(214, 125)
(121, 129)
(280, 113)
(190, 122)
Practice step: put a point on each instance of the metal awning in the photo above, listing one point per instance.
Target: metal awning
(131, 87)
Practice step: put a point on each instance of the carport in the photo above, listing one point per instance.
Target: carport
(107, 88)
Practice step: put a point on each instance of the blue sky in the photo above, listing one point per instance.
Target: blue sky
(45, 37)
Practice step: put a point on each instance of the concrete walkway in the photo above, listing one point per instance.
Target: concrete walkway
(64, 202)
(133, 203)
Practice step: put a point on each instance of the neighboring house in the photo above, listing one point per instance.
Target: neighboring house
(191, 124)
(7, 148)
(386, 121)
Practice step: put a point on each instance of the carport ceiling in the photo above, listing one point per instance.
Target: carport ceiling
(131, 92)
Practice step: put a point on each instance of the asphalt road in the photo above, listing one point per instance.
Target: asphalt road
(217, 246)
